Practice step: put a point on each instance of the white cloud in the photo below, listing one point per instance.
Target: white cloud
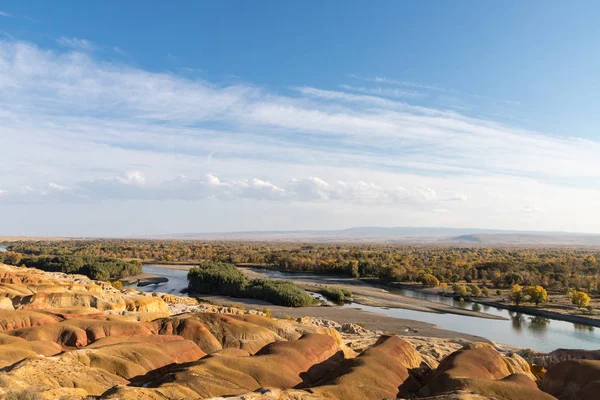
(55, 186)
(5, 14)
(132, 178)
(75, 43)
(385, 92)
(82, 122)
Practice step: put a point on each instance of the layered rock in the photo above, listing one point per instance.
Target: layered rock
(483, 370)
(69, 337)
(573, 380)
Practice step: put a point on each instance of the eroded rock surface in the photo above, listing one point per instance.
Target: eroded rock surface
(68, 337)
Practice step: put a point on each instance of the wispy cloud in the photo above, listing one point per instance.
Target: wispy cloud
(384, 92)
(75, 43)
(425, 87)
(83, 121)
(5, 14)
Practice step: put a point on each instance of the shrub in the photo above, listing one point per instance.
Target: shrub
(217, 278)
(226, 279)
(485, 292)
(499, 292)
(283, 293)
(267, 312)
(117, 285)
(336, 294)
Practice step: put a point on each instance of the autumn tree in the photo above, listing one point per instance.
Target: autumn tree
(429, 280)
(537, 294)
(443, 286)
(580, 299)
(474, 289)
(516, 294)
(459, 290)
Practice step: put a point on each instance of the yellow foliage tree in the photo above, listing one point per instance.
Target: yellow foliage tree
(475, 291)
(516, 294)
(580, 299)
(537, 294)
(459, 290)
(429, 280)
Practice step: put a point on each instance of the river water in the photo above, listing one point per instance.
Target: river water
(538, 333)
(2, 249)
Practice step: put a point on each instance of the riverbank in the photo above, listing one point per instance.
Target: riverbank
(373, 293)
(369, 295)
(540, 312)
(559, 309)
(369, 320)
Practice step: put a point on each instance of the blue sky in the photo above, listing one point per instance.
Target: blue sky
(298, 115)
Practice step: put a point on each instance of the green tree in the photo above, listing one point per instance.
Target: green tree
(513, 278)
(352, 268)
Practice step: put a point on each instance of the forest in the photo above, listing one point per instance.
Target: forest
(96, 267)
(553, 268)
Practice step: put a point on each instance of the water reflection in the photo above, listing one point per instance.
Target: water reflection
(579, 327)
(476, 307)
(517, 320)
(538, 324)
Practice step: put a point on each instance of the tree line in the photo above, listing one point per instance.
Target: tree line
(552, 268)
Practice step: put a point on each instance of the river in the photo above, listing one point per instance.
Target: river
(2, 249)
(538, 333)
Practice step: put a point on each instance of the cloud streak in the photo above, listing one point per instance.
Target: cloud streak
(133, 185)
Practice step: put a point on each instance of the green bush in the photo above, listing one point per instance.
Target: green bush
(217, 278)
(336, 294)
(225, 279)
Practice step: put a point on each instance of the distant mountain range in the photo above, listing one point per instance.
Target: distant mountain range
(406, 235)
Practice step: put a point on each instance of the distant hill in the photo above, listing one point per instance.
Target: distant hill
(406, 235)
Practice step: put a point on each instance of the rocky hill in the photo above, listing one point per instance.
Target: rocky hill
(67, 337)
